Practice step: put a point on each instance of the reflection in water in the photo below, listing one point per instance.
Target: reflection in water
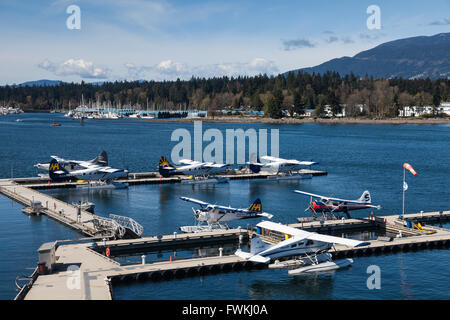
(307, 286)
(404, 284)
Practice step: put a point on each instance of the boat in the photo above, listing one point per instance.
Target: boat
(55, 124)
(203, 228)
(324, 266)
(85, 205)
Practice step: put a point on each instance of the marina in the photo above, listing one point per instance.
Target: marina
(152, 201)
(97, 270)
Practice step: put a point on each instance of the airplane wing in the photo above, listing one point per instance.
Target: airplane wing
(188, 161)
(215, 165)
(199, 202)
(288, 161)
(272, 159)
(339, 240)
(301, 234)
(60, 160)
(310, 194)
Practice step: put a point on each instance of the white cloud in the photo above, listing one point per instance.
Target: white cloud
(75, 67)
(171, 70)
(169, 67)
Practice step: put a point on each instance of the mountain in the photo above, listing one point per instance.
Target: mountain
(40, 83)
(416, 57)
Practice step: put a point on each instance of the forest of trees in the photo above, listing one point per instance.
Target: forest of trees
(293, 93)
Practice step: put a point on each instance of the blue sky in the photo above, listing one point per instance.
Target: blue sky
(167, 39)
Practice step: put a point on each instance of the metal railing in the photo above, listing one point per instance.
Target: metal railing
(129, 223)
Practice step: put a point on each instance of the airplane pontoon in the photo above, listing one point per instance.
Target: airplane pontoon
(211, 216)
(309, 251)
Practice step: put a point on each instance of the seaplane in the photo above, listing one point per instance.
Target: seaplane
(101, 160)
(287, 168)
(331, 206)
(104, 175)
(309, 252)
(200, 171)
(210, 216)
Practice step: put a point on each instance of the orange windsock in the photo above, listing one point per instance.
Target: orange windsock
(407, 166)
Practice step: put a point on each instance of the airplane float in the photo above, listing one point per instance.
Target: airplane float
(279, 166)
(328, 205)
(209, 216)
(310, 250)
(193, 168)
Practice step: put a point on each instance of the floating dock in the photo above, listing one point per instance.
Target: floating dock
(69, 215)
(84, 271)
(149, 178)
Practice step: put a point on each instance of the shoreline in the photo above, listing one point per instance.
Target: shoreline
(240, 119)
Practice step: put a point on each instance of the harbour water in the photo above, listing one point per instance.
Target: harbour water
(357, 157)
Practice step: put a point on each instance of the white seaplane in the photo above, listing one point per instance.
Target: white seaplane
(309, 250)
(200, 171)
(101, 160)
(282, 168)
(210, 216)
(331, 206)
(99, 176)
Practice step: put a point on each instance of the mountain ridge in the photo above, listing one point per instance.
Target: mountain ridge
(411, 58)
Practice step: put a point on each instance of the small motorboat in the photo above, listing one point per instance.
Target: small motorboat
(55, 124)
(85, 205)
(322, 267)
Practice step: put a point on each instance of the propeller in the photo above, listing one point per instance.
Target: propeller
(196, 215)
(310, 206)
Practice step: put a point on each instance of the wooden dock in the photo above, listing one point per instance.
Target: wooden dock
(58, 210)
(86, 270)
(385, 223)
(82, 271)
(140, 178)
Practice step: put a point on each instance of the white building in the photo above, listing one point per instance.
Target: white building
(416, 111)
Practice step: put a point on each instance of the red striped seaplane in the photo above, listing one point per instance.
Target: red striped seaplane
(332, 206)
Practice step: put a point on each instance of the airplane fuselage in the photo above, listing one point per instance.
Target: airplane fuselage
(95, 174)
(219, 215)
(300, 248)
(318, 206)
(197, 170)
(275, 167)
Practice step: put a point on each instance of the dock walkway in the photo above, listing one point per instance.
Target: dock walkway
(139, 178)
(64, 213)
(82, 273)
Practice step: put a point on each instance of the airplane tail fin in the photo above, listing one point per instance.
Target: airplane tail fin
(256, 206)
(365, 197)
(165, 167)
(57, 172)
(101, 159)
(255, 166)
(257, 245)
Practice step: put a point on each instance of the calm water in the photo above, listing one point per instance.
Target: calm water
(357, 157)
